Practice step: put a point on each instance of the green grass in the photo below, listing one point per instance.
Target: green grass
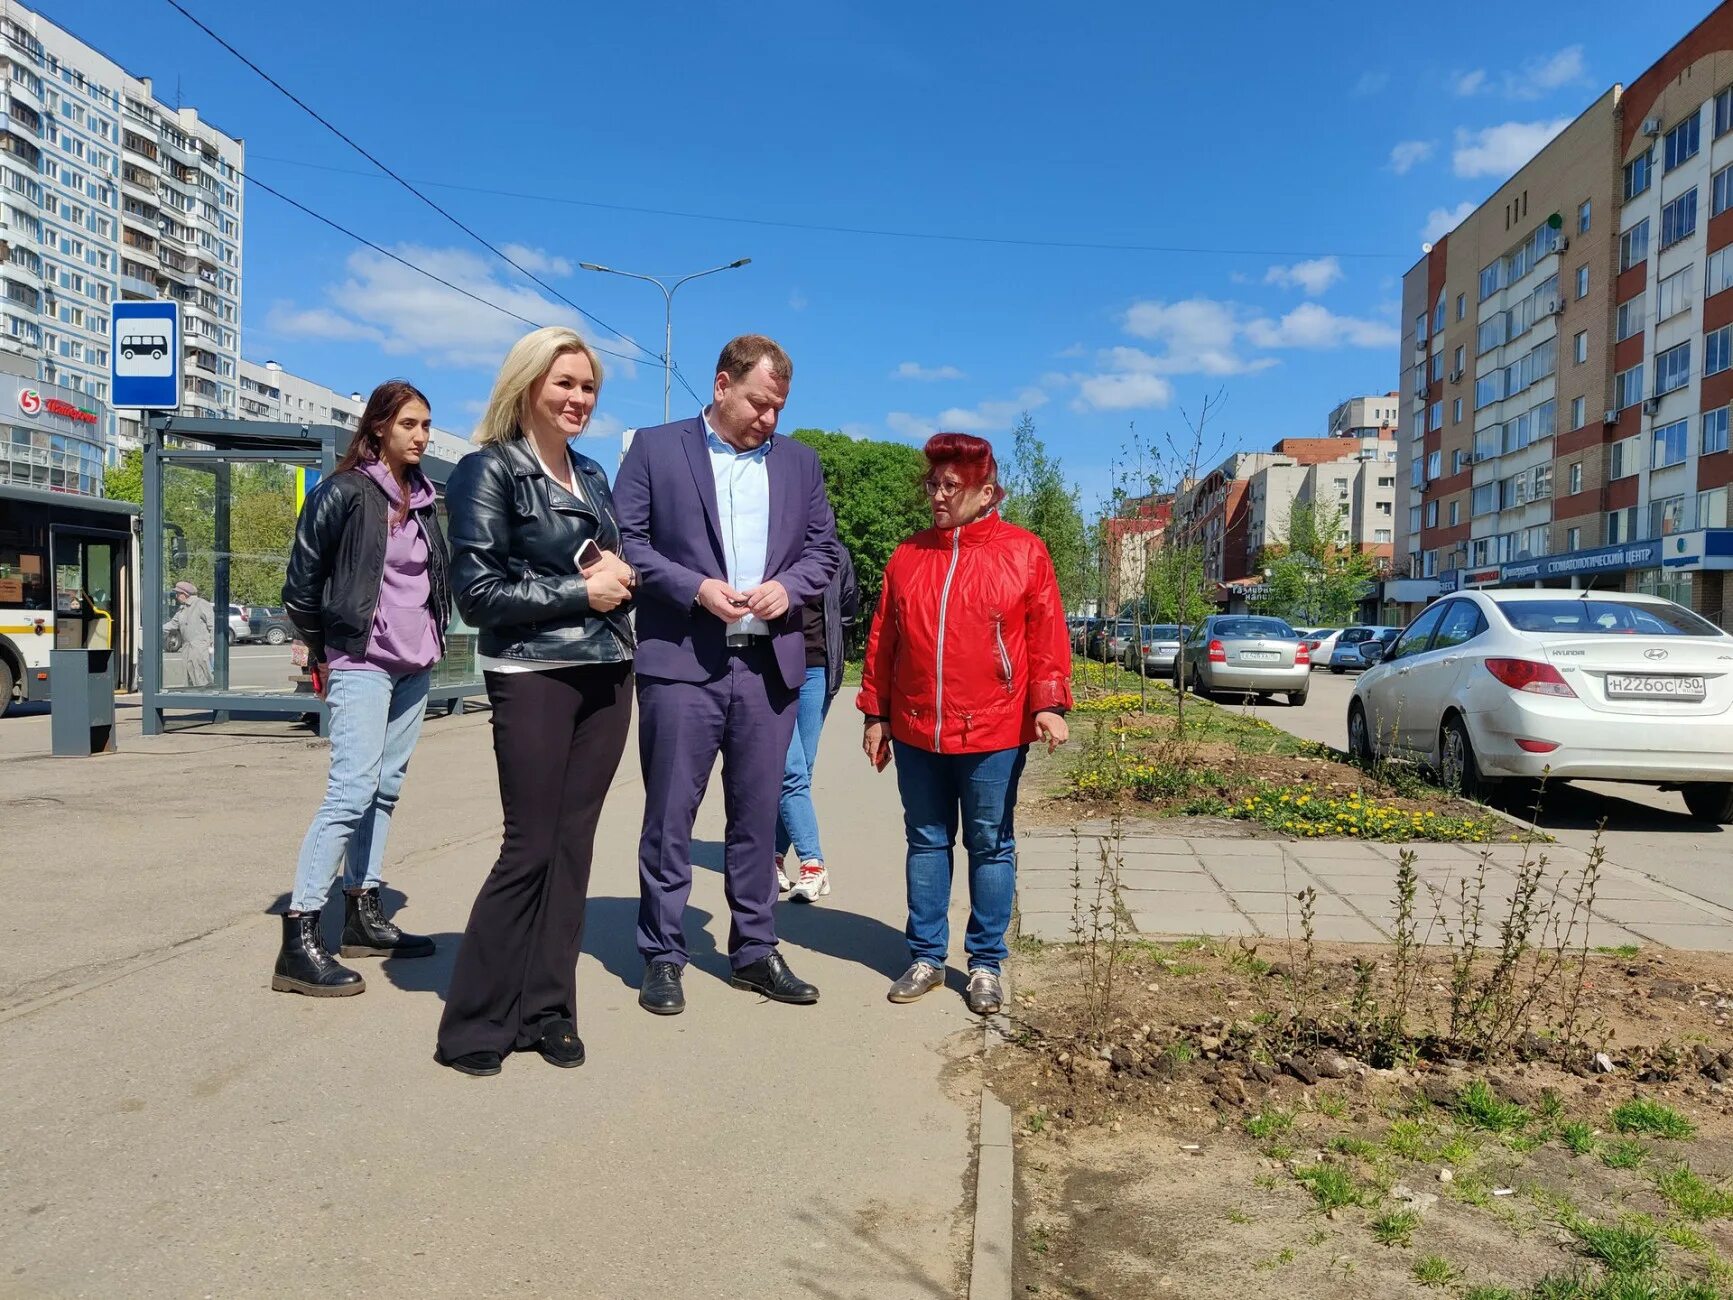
(1332, 1104)
(1179, 1052)
(1479, 1107)
(1625, 950)
(1489, 1293)
(1353, 1146)
(1395, 1228)
(1577, 1136)
(1238, 1216)
(1626, 1248)
(1623, 1154)
(1035, 1121)
(1331, 1186)
(1434, 1270)
(1640, 1115)
(1412, 1139)
(1037, 1240)
(1688, 1194)
(1270, 1123)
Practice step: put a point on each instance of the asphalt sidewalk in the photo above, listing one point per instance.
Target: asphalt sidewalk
(172, 1127)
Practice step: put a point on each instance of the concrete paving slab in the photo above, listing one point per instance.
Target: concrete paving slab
(1215, 850)
(1658, 911)
(1259, 902)
(1703, 938)
(1335, 929)
(1182, 924)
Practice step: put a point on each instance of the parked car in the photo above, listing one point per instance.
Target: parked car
(270, 624)
(1523, 683)
(1108, 639)
(1345, 652)
(1373, 649)
(1081, 626)
(1322, 644)
(1154, 649)
(1245, 654)
(237, 622)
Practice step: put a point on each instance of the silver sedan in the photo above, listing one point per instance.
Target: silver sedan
(1245, 654)
(1155, 649)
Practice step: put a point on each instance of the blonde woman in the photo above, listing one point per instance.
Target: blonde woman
(536, 568)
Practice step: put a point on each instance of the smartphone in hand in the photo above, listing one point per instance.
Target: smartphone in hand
(589, 553)
(316, 670)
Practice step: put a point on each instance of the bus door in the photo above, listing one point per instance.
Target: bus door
(93, 595)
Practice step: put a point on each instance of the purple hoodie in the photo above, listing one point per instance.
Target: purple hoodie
(403, 639)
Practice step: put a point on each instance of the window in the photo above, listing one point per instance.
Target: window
(1670, 444)
(1491, 333)
(1437, 366)
(1419, 633)
(1712, 508)
(1489, 280)
(1381, 535)
(1489, 389)
(1637, 175)
(1461, 308)
(1583, 218)
(1624, 458)
(1582, 282)
(1676, 293)
(1434, 465)
(1432, 514)
(1456, 365)
(1630, 318)
(1462, 622)
(1714, 431)
(1582, 347)
(1666, 516)
(1718, 350)
(1458, 461)
(1679, 218)
(1576, 477)
(1455, 513)
(1573, 538)
(1724, 112)
(1621, 526)
(1634, 245)
(1578, 411)
(1413, 520)
(1681, 142)
(1434, 417)
(1628, 387)
(1673, 368)
(1438, 314)
(1420, 328)
(1483, 500)
(1720, 273)
(1456, 411)
(1721, 192)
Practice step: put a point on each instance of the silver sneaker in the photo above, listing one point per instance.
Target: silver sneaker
(986, 995)
(920, 979)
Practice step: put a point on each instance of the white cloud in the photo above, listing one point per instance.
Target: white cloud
(406, 314)
(1469, 83)
(1537, 78)
(988, 417)
(912, 427)
(915, 370)
(1196, 335)
(537, 261)
(1312, 277)
(1501, 150)
(1441, 221)
(1314, 327)
(1370, 83)
(1124, 392)
(797, 301)
(1409, 154)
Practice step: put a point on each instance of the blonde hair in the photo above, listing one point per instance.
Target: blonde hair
(529, 359)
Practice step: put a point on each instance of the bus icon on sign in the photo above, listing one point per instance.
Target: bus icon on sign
(144, 354)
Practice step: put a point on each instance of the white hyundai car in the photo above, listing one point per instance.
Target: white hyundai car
(1526, 683)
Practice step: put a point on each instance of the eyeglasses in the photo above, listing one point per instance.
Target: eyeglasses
(934, 488)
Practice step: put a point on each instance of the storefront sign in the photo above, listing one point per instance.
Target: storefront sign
(1605, 559)
(31, 402)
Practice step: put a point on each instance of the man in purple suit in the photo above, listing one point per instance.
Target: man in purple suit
(732, 534)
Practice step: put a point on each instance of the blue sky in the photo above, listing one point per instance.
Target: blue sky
(1146, 203)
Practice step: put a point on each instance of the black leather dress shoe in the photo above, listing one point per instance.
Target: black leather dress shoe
(480, 1064)
(560, 1045)
(661, 994)
(770, 977)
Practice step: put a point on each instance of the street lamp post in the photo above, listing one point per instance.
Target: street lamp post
(668, 313)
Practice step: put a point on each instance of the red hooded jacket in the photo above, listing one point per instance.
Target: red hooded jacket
(969, 642)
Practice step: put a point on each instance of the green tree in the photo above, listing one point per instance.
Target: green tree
(1039, 499)
(875, 489)
(1174, 584)
(1315, 578)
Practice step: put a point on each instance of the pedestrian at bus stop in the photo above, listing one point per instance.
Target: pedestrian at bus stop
(368, 593)
(823, 624)
(196, 621)
(730, 526)
(536, 568)
(969, 662)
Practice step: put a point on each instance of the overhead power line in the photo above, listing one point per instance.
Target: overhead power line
(336, 131)
(875, 232)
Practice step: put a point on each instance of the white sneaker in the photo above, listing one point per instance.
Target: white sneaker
(814, 883)
(783, 883)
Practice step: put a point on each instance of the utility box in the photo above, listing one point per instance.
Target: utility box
(81, 716)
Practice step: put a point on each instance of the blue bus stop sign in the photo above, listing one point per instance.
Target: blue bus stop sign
(144, 363)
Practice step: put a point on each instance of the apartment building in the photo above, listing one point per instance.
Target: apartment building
(269, 392)
(108, 192)
(1568, 354)
(1359, 417)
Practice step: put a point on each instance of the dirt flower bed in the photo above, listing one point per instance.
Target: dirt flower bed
(1210, 1119)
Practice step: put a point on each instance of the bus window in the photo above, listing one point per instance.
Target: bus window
(22, 584)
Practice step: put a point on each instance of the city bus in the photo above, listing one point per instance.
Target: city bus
(69, 572)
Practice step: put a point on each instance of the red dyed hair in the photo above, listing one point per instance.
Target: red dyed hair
(970, 456)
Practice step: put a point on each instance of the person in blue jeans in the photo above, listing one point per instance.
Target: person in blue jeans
(825, 623)
(368, 591)
(969, 663)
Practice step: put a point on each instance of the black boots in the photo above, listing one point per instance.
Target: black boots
(303, 966)
(366, 932)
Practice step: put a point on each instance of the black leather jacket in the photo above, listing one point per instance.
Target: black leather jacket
(331, 589)
(514, 542)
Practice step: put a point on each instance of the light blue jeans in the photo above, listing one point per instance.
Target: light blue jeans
(797, 820)
(976, 793)
(375, 721)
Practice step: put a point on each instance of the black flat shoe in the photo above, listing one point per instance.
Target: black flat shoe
(560, 1045)
(770, 977)
(661, 993)
(480, 1064)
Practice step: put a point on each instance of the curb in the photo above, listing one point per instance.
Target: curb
(990, 1263)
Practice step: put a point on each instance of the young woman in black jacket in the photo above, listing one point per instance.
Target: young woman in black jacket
(536, 569)
(367, 589)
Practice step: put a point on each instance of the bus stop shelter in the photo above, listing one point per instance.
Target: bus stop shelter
(220, 502)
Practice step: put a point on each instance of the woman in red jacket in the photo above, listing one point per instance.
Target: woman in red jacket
(969, 662)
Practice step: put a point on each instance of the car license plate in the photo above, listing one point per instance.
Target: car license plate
(1260, 656)
(1649, 686)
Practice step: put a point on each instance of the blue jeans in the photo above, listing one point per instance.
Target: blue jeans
(797, 820)
(979, 792)
(375, 720)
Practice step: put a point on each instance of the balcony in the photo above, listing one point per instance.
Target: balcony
(138, 177)
(131, 287)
